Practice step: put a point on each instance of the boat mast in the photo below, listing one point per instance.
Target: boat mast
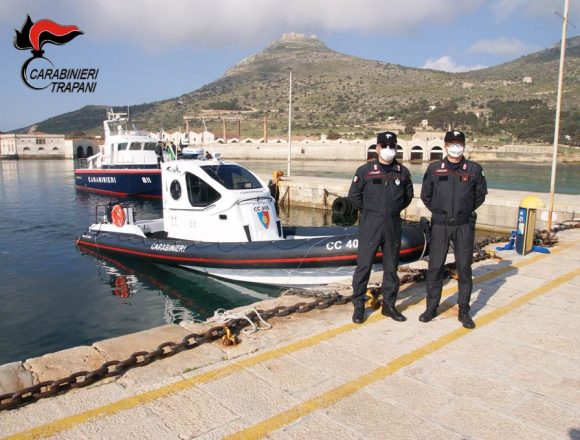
(558, 106)
(289, 121)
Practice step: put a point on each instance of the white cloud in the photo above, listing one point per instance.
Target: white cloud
(502, 46)
(446, 64)
(503, 9)
(220, 23)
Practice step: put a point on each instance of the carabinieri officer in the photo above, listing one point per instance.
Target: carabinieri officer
(380, 190)
(453, 188)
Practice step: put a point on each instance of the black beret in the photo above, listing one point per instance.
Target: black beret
(387, 138)
(455, 135)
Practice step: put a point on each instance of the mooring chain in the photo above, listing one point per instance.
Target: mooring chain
(411, 275)
(545, 238)
(226, 333)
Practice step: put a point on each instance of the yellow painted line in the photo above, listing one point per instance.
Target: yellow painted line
(500, 271)
(266, 427)
(53, 428)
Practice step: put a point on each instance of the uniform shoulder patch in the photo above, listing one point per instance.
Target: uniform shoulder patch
(355, 180)
(482, 173)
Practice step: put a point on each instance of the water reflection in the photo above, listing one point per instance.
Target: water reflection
(54, 297)
(188, 295)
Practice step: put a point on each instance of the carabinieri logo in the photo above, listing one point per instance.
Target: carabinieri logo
(264, 217)
(38, 69)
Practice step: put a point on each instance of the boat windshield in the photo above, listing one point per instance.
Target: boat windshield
(149, 146)
(232, 176)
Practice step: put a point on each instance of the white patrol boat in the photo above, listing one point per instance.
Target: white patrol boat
(126, 165)
(220, 219)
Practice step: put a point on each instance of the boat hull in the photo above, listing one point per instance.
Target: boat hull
(123, 182)
(309, 257)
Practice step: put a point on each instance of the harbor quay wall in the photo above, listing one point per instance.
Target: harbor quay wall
(410, 150)
(526, 302)
(499, 212)
(45, 146)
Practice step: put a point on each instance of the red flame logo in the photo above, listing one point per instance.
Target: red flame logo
(35, 35)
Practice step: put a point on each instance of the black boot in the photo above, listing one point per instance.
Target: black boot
(391, 312)
(466, 320)
(358, 315)
(427, 315)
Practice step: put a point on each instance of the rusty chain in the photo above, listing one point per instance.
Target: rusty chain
(542, 237)
(227, 333)
(141, 358)
(410, 275)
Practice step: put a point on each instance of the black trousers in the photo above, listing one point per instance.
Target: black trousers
(375, 232)
(463, 238)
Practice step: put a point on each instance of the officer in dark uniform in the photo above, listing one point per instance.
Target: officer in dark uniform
(453, 188)
(380, 190)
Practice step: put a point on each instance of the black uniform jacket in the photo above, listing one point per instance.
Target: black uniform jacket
(453, 191)
(381, 190)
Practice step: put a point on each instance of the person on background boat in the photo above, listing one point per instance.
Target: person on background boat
(380, 190)
(453, 188)
(159, 153)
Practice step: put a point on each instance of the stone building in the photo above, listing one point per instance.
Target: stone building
(37, 145)
(80, 148)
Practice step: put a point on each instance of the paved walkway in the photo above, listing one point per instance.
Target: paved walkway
(517, 375)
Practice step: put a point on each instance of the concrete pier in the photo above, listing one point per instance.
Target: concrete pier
(318, 376)
(499, 212)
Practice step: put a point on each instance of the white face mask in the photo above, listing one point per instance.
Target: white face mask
(455, 150)
(388, 154)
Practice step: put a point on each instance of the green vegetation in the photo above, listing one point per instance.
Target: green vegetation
(353, 97)
(225, 105)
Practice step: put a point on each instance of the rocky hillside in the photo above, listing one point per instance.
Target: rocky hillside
(343, 93)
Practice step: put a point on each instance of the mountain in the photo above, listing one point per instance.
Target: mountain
(335, 91)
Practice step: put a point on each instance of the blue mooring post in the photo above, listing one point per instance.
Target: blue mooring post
(523, 236)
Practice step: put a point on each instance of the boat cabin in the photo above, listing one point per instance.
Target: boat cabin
(217, 201)
(124, 148)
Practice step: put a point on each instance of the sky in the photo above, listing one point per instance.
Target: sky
(148, 50)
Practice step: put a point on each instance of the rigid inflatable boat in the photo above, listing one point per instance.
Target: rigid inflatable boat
(219, 219)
